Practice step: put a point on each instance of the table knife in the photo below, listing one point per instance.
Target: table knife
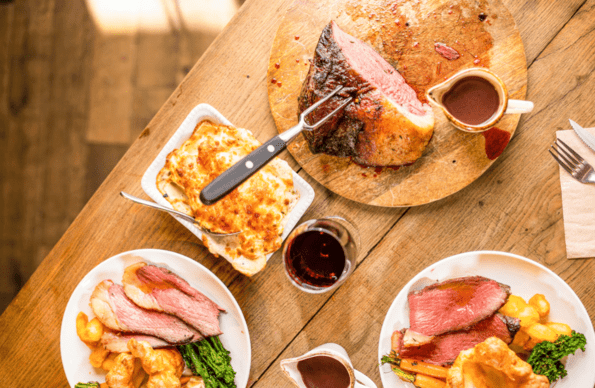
(585, 136)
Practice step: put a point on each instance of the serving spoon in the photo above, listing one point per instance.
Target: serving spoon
(213, 235)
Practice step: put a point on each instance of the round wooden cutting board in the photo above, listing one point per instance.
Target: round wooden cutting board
(404, 33)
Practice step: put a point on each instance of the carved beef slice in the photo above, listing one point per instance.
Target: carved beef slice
(113, 308)
(156, 288)
(444, 349)
(455, 304)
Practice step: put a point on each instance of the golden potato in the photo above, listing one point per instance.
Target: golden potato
(98, 355)
(529, 345)
(541, 333)
(109, 362)
(559, 328)
(513, 306)
(89, 332)
(521, 338)
(528, 316)
(541, 304)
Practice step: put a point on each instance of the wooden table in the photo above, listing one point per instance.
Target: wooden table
(514, 207)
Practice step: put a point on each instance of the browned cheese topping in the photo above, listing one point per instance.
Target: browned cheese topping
(258, 208)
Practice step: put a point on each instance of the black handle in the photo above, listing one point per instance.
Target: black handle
(242, 170)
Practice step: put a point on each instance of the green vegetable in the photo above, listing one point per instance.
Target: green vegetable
(395, 362)
(391, 359)
(405, 376)
(92, 384)
(545, 356)
(210, 360)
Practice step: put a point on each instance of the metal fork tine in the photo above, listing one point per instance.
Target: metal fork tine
(569, 160)
(578, 159)
(323, 120)
(321, 101)
(560, 162)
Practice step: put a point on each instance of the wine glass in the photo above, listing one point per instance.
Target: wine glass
(320, 254)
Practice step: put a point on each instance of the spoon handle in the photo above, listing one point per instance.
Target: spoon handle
(157, 206)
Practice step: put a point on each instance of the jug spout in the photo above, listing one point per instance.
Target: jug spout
(289, 367)
(434, 94)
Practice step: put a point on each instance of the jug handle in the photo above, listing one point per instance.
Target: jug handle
(519, 106)
(363, 381)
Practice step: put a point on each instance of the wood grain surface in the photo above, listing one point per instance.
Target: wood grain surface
(405, 35)
(515, 206)
(73, 98)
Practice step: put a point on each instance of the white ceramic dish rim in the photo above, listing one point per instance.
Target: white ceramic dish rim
(235, 337)
(399, 309)
(199, 113)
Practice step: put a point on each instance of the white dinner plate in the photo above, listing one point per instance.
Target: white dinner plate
(235, 337)
(183, 133)
(525, 278)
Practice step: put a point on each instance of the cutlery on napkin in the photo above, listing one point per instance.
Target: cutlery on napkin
(578, 202)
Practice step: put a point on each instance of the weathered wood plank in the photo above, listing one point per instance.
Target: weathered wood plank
(111, 99)
(530, 17)
(7, 287)
(64, 180)
(29, 54)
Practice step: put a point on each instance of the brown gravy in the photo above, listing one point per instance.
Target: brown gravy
(323, 372)
(472, 100)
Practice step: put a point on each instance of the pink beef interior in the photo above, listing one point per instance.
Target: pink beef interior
(370, 65)
(455, 304)
(445, 348)
(139, 320)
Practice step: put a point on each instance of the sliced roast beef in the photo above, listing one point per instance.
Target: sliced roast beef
(455, 304)
(385, 125)
(118, 342)
(158, 289)
(444, 349)
(113, 308)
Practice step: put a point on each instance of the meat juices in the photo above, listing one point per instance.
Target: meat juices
(323, 372)
(472, 100)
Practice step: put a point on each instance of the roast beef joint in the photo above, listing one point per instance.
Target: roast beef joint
(385, 125)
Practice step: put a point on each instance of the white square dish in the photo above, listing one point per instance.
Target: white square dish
(199, 113)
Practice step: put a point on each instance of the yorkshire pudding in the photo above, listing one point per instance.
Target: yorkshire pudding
(492, 364)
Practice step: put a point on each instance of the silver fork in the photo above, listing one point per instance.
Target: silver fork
(572, 162)
(218, 237)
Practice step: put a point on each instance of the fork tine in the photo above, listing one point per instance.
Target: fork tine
(566, 157)
(578, 159)
(321, 101)
(323, 120)
(562, 164)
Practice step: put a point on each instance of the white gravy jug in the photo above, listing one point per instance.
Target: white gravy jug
(356, 378)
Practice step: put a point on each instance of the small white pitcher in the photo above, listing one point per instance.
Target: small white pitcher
(506, 105)
(357, 378)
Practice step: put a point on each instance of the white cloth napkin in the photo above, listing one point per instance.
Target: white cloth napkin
(578, 202)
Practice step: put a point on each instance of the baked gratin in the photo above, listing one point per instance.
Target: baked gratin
(259, 207)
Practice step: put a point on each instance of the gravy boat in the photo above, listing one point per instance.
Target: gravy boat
(357, 379)
(505, 106)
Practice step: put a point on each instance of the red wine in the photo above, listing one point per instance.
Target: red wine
(323, 372)
(315, 258)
